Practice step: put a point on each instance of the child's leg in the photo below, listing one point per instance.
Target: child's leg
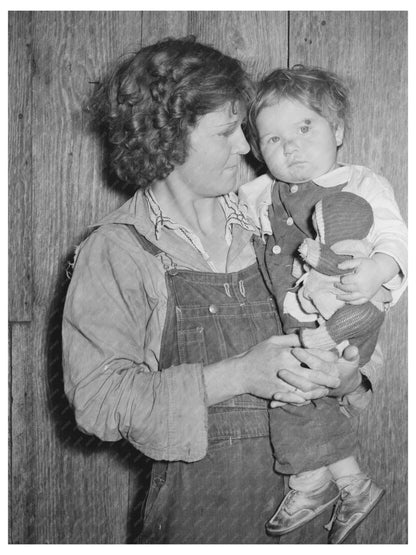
(310, 480)
(343, 468)
(311, 493)
(359, 495)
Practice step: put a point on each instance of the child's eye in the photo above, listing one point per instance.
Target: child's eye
(304, 129)
(274, 139)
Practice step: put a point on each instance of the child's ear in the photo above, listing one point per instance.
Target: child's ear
(339, 132)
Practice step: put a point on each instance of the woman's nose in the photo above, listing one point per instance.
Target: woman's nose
(240, 145)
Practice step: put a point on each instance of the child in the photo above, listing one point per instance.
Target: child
(296, 123)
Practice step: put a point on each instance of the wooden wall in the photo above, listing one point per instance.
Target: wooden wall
(66, 487)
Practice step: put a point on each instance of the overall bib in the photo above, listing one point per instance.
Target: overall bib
(228, 496)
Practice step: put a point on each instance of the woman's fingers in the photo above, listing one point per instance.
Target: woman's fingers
(299, 396)
(311, 385)
(289, 396)
(282, 341)
(280, 399)
(320, 369)
(351, 353)
(318, 354)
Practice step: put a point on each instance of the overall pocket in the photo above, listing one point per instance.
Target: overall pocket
(191, 345)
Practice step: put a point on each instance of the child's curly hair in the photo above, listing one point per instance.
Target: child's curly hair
(151, 101)
(318, 89)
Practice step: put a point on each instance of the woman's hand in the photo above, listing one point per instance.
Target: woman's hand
(338, 376)
(256, 372)
(262, 365)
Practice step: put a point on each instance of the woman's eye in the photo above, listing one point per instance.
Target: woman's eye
(227, 133)
(274, 139)
(304, 129)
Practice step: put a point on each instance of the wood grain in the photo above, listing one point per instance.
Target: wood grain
(20, 167)
(159, 25)
(22, 446)
(369, 50)
(67, 487)
(82, 485)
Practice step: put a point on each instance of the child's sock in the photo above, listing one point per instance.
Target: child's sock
(310, 480)
(346, 471)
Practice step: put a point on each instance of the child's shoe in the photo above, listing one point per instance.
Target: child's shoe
(356, 501)
(299, 507)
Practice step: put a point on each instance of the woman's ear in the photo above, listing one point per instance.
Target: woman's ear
(339, 132)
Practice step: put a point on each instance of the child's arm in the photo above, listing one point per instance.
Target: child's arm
(387, 264)
(369, 274)
(388, 236)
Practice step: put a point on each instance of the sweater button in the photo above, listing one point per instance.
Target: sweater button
(294, 189)
(277, 249)
(213, 309)
(289, 221)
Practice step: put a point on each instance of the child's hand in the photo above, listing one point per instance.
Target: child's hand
(363, 283)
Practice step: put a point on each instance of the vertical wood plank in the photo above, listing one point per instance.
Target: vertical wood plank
(160, 25)
(20, 167)
(258, 39)
(82, 484)
(369, 50)
(22, 442)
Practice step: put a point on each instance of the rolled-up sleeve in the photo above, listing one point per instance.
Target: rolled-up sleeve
(114, 391)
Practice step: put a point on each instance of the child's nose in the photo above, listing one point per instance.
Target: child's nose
(289, 146)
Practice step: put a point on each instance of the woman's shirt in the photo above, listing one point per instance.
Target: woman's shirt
(112, 327)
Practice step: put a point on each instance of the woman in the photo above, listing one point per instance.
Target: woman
(171, 338)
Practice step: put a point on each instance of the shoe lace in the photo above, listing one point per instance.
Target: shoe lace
(292, 500)
(335, 512)
(344, 493)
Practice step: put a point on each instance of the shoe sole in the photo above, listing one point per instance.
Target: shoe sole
(323, 508)
(355, 526)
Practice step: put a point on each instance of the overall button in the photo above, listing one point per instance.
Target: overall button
(213, 309)
(289, 221)
(277, 249)
(294, 189)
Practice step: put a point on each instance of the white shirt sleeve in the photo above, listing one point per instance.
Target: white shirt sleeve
(389, 232)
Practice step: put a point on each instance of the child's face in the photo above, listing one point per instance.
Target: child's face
(297, 143)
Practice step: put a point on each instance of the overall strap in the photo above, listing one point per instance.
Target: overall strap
(145, 243)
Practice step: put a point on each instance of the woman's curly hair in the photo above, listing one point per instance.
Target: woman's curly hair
(319, 89)
(148, 105)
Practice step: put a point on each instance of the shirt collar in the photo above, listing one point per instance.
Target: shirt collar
(340, 175)
(234, 212)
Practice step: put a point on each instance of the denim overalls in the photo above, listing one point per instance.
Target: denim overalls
(227, 496)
